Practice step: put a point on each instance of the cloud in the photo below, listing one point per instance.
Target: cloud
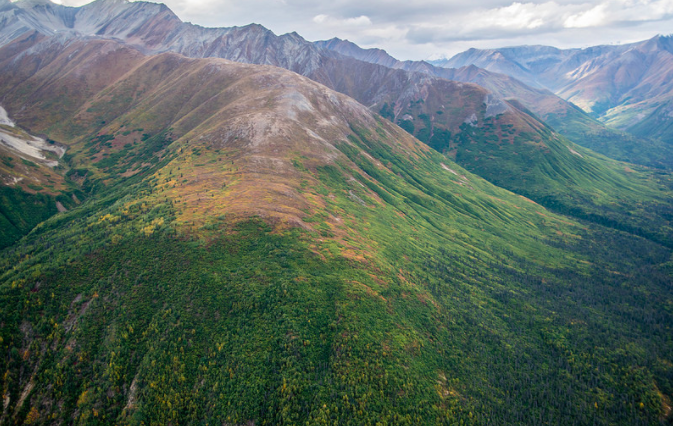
(529, 19)
(594, 17)
(507, 21)
(621, 12)
(361, 20)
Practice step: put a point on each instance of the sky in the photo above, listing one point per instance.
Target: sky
(429, 29)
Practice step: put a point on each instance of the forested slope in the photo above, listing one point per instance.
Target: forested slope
(259, 249)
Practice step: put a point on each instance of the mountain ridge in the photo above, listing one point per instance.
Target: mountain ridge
(258, 248)
(254, 247)
(477, 126)
(153, 29)
(622, 85)
(567, 118)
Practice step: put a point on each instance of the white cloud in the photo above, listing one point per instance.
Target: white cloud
(515, 16)
(594, 17)
(611, 12)
(543, 20)
(361, 20)
(319, 19)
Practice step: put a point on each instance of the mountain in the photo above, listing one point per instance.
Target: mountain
(626, 86)
(255, 248)
(510, 80)
(33, 187)
(376, 56)
(153, 28)
(542, 102)
(501, 141)
(352, 50)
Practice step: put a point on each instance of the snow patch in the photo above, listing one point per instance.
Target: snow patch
(33, 147)
(4, 118)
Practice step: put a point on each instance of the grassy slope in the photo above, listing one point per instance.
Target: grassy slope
(432, 301)
(381, 282)
(643, 148)
(571, 122)
(656, 125)
(517, 152)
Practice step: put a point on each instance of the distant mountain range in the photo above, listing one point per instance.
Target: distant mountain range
(154, 28)
(486, 127)
(565, 117)
(629, 86)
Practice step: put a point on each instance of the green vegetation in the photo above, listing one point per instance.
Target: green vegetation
(441, 299)
(561, 176)
(20, 212)
(640, 149)
(657, 125)
(229, 267)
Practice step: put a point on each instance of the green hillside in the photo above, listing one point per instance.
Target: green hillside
(442, 303)
(521, 154)
(257, 249)
(644, 148)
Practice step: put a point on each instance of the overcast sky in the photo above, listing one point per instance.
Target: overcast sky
(421, 29)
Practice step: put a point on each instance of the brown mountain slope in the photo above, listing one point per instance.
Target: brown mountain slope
(509, 80)
(154, 28)
(393, 286)
(122, 110)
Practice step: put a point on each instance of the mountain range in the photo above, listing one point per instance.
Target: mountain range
(228, 226)
(625, 86)
(478, 118)
(154, 28)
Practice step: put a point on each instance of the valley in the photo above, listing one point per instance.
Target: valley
(626, 86)
(264, 231)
